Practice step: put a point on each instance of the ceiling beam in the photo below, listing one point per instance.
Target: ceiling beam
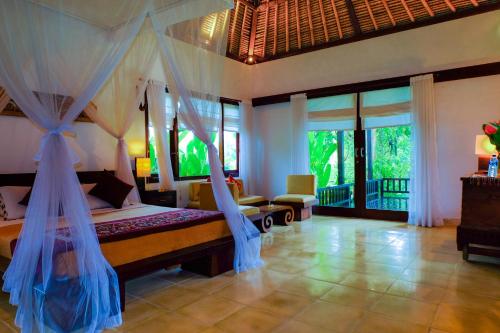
(367, 4)
(265, 30)
(253, 32)
(353, 17)
(450, 5)
(408, 11)
(309, 16)
(299, 37)
(275, 28)
(389, 13)
(474, 3)
(287, 35)
(427, 7)
(233, 28)
(242, 29)
(337, 20)
(323, 20)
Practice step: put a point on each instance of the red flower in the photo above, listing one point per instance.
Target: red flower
(489, 129)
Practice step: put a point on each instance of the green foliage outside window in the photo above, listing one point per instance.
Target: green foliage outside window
(193, 154)
(392, 152)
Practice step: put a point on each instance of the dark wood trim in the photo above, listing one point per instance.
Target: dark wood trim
(400, 81)
(460, 13)
(353, 18)
(386, 215)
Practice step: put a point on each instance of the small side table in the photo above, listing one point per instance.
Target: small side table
(157, 198)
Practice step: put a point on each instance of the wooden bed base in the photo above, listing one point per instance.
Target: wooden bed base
(209, 259)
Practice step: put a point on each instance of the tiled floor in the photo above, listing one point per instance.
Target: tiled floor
(326, 275)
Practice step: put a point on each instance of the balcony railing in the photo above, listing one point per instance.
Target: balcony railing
(383, 193)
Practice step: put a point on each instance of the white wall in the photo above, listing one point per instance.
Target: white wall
(464, 42)
(462, 107)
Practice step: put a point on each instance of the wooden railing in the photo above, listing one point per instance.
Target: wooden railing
(378, 191)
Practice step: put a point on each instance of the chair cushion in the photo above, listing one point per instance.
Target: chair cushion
(249, 210)
(250, 199)
(241, 186)
(301, 184)
(193, 204)
(299, 198)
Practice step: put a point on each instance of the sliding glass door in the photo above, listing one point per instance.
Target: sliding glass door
(361, 154)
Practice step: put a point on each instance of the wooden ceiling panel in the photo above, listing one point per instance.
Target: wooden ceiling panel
(271, 29)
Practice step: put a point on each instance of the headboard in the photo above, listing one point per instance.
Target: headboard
(27, 179)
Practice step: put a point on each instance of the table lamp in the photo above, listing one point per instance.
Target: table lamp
(484, 150)
(143, 168)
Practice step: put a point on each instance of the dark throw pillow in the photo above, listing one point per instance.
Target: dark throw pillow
(111, 189)
(25, 201)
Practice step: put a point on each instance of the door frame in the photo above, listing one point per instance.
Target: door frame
(359, 209)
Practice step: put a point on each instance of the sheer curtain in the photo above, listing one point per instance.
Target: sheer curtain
(193, 52)
(246, 145)
(55, 57)
(424, 207)
(120, 97)
(300, 143)
(162, 113)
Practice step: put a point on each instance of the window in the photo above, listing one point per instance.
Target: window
(189, 155)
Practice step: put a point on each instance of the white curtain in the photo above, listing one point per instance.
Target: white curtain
(299, 140)
(424, 205)
(162, 113)
(247, 173)
(55, 57)
(193, 52)
(119, 100)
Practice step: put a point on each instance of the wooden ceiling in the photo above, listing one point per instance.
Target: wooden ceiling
(271, 29)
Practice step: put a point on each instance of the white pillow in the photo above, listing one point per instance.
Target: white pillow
(11, 195)
(94, 202)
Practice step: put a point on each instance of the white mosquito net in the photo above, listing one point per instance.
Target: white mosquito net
(56, 57)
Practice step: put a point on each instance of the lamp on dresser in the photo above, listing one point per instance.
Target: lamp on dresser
(149, 192)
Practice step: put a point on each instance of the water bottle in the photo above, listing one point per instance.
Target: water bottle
(493, 166)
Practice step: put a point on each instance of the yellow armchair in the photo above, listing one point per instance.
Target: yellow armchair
(301, 195)
(207, 199)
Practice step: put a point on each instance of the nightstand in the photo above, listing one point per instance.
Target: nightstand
(156, 198)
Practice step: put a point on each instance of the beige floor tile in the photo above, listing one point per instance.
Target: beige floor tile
(405, 309)
(374, 282)
(283, 304)
(174, 297)
(145, 286)
(294, 326)
(476, 285)
(336, 317)
(351, 296)
(244, 292)
(417, 291)
(473, 302)
(212, 329)
(326, 273)
(306, 287)
(137, 310)
(250, 320)
(210, 309)
(7, 328)
(433, 266)
(426, 277)
(205, 284)
(170, 322)
(376, 323)
(288, 265)
(457, 319)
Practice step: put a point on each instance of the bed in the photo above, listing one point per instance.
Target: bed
(139, 239)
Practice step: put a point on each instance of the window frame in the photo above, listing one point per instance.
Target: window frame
(174, 143)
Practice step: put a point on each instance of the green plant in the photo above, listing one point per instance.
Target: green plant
(193, 160)
(322, 145)
(493, 133)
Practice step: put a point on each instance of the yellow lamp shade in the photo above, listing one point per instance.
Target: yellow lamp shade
(143, 166)
(484, 146)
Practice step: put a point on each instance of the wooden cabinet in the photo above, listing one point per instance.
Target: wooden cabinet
(157, 198)
(479, 231)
